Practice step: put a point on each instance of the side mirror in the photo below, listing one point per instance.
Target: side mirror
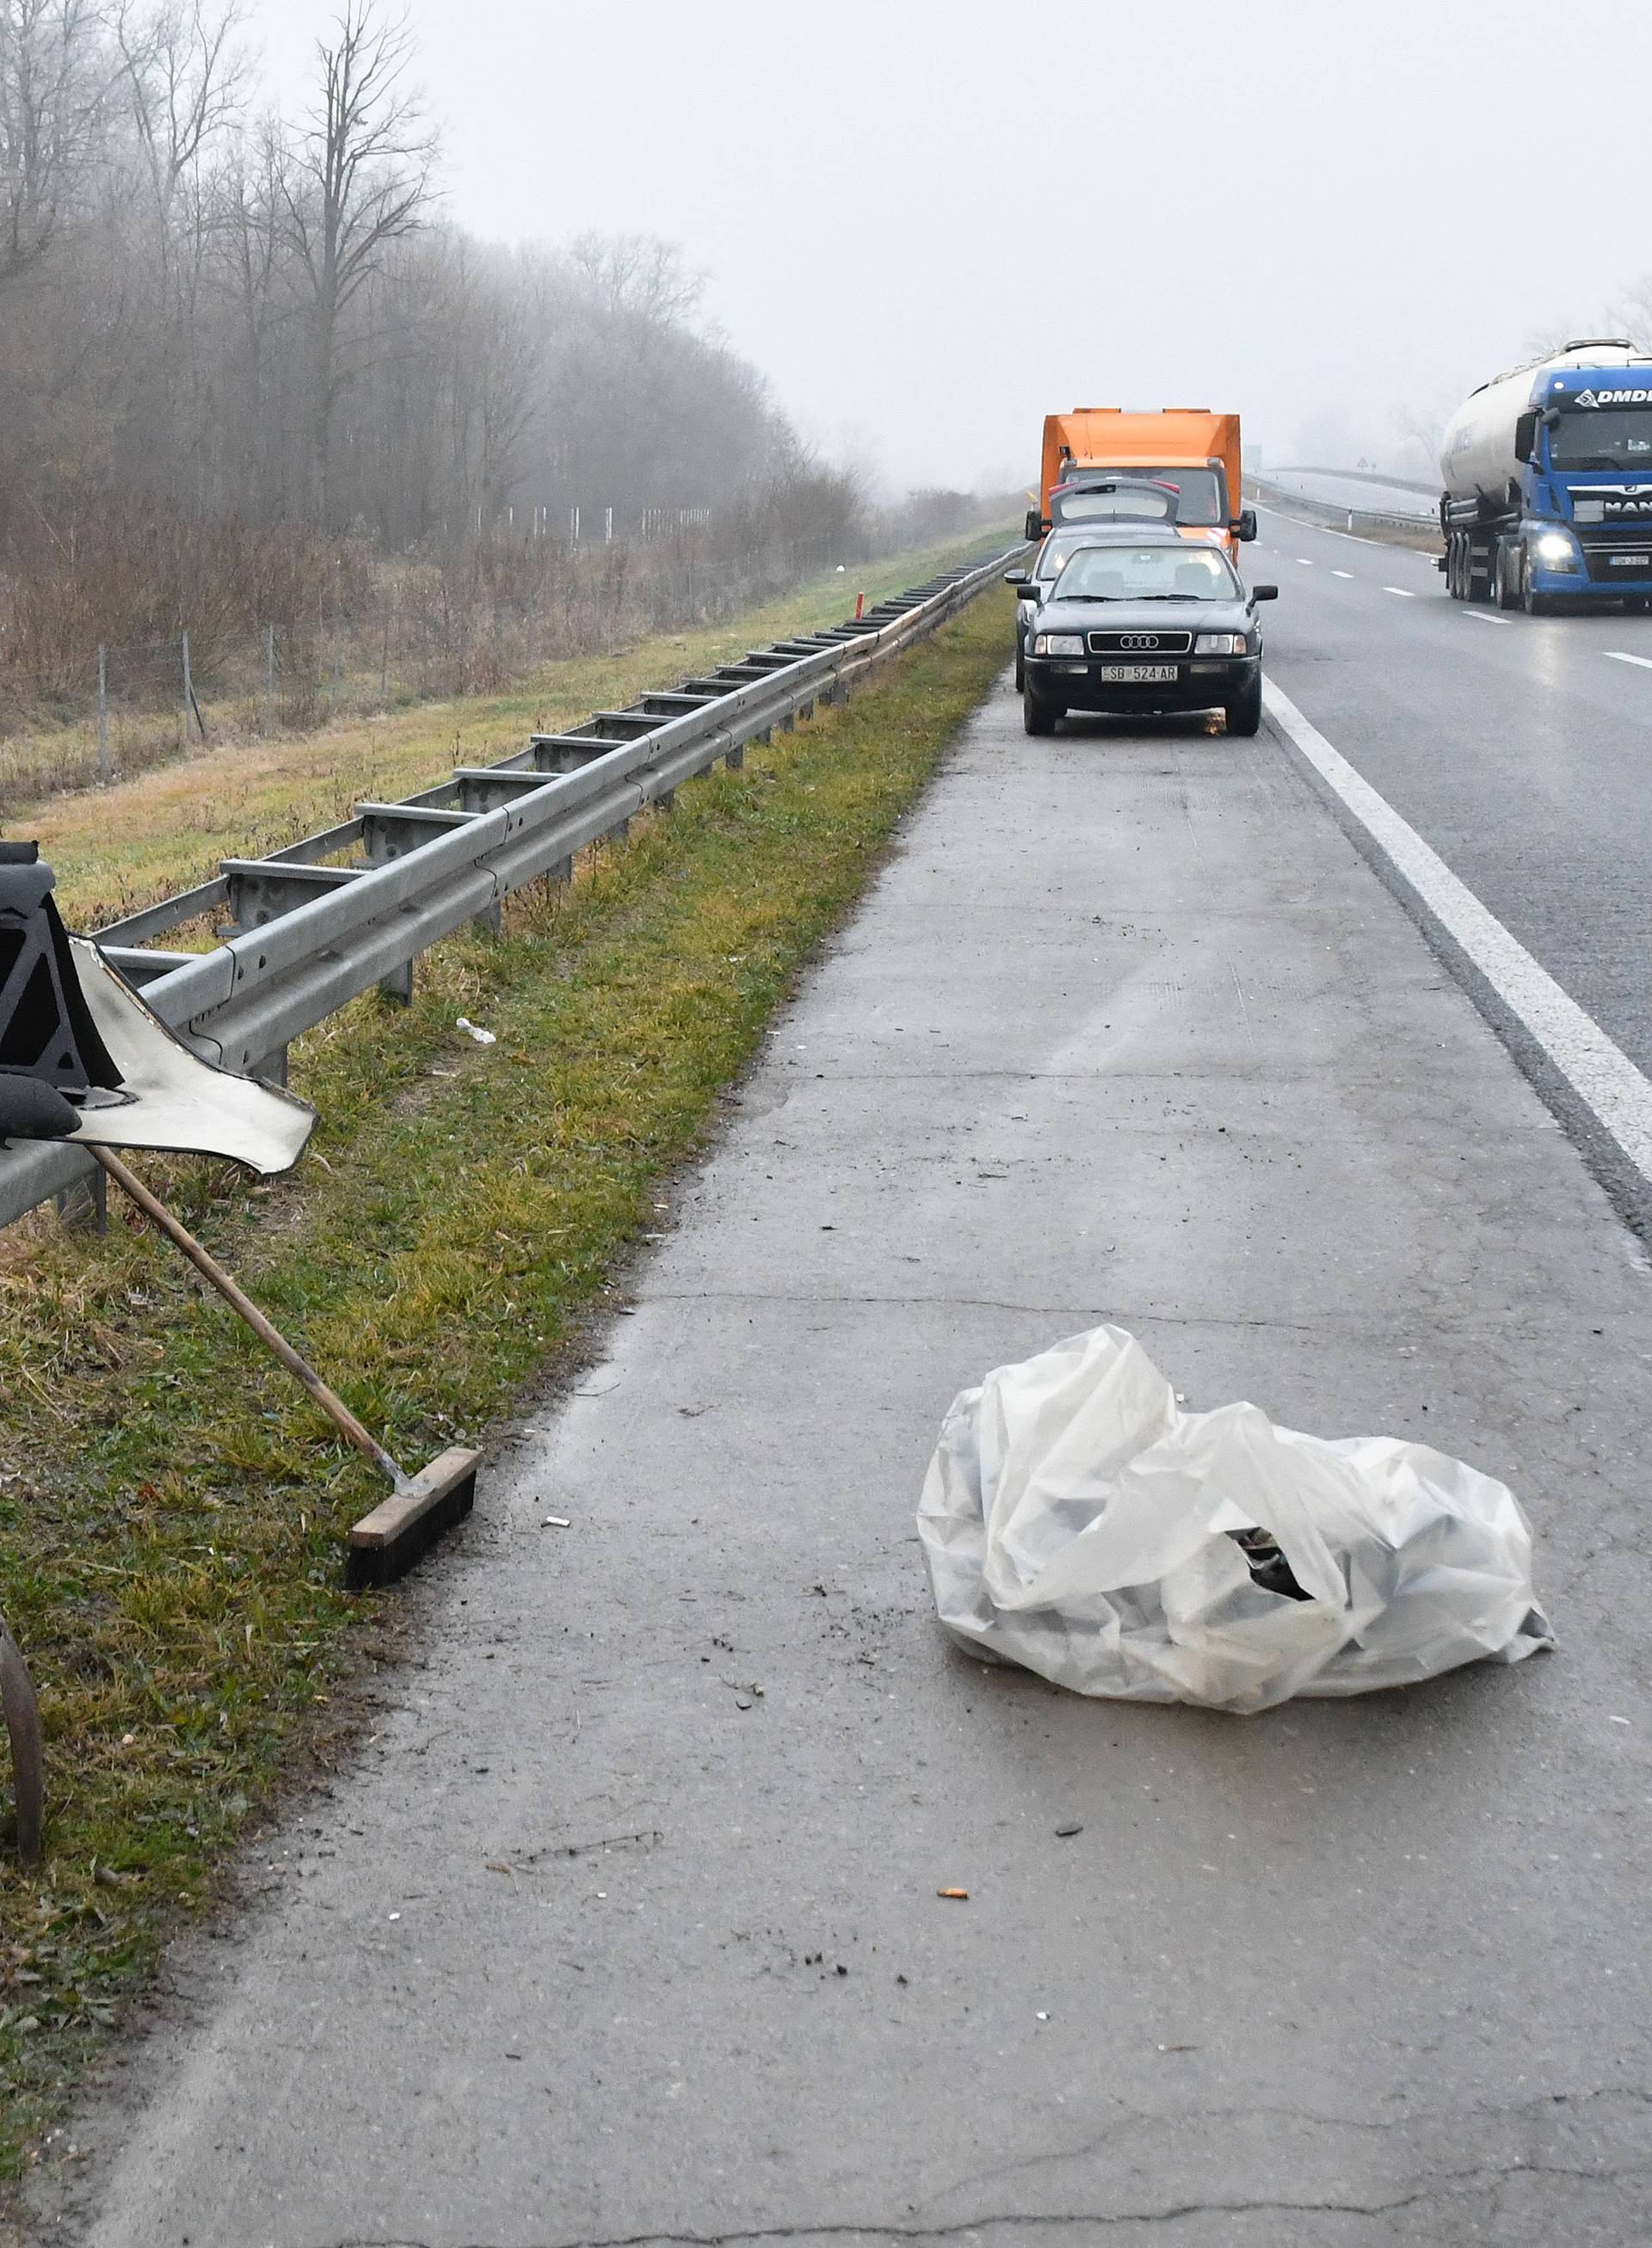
(1015, 578)
(1526, 436)
(1264, 592)
(1244, 529)
(1035, 525)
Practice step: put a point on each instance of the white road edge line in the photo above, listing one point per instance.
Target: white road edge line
(1600, 1074)
(1404, 592)
(1621, 655)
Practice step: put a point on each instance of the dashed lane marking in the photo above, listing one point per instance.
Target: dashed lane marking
(1304, 562)
(1621, 655)
(1484, 617)
(1404, 592)
(1342, 574)
(1599, 1072)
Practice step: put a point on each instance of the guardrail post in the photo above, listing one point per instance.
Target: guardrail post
(397, 986)
(86, 1203)
(272, 1070)
(736, 758)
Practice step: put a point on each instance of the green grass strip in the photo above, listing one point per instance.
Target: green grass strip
(171, 1507)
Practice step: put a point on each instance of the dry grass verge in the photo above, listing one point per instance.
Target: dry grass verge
(119, 848)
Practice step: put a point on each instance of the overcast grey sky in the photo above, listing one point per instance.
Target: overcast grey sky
(931, 221)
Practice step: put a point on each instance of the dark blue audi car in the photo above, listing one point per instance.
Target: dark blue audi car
(1145, 620)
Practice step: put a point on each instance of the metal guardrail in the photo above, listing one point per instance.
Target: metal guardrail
(1424, 525)
(1429, 492)
(309, 929)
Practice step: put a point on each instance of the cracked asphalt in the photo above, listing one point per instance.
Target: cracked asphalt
(625, 1929)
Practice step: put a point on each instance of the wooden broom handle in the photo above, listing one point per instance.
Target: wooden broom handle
(332, 1405)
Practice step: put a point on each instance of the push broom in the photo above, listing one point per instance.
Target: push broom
(385, 1544)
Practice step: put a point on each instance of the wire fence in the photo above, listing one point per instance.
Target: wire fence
(431, 630)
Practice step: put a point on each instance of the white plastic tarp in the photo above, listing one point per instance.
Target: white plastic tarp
(1075, 1520)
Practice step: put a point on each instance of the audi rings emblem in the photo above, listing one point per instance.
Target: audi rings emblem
(1138, 640)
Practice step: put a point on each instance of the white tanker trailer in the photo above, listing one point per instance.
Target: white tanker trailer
(1548, 482)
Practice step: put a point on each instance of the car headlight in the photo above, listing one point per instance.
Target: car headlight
(1555, 550)
(1219, 644)
(1058, 644)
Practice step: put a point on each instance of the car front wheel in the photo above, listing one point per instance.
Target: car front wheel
(1037, 715)
(1244, 716)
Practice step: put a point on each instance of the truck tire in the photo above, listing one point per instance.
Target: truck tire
(1245, 717)
(1456, 566)
(1504, 593)
(1534, 604)
(1037, 715)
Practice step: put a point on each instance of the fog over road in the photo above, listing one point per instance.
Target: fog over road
(625, 1926)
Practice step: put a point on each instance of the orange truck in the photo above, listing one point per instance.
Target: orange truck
(1186, 447)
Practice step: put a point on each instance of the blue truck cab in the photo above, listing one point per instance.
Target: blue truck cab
(1548, 496)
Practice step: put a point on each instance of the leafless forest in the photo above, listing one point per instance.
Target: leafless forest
(256, 388)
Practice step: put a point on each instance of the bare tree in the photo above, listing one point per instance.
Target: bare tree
(638, 274)
(359, 180)
(54, 95)
(185, 78)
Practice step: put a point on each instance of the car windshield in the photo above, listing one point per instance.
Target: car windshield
(1056, 554)
(1614, 437)
(1136, 503)
(1148, 573)
(1200, 495)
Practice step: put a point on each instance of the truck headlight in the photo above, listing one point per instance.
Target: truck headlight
(1219, 644)
(1555, 550)
(1057, 644)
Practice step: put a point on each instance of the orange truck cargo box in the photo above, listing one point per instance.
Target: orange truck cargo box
(1187, 446)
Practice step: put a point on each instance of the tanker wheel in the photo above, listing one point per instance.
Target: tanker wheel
(1455, 576)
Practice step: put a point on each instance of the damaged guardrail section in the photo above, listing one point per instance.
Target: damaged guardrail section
(310, 929)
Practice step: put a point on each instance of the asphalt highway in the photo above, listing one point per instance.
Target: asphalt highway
(1519, 747)
(634, 1923)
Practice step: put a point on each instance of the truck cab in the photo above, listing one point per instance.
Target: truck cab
(1187, 450)
(1586, 497)
(1548, 483)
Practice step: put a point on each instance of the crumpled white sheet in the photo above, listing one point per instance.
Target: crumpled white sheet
(1075, 1520)
(171, 1097)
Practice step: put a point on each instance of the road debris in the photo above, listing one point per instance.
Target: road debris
(474, 1031)
(1067, 1832)
(961, 1896)
(1211, 1558)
